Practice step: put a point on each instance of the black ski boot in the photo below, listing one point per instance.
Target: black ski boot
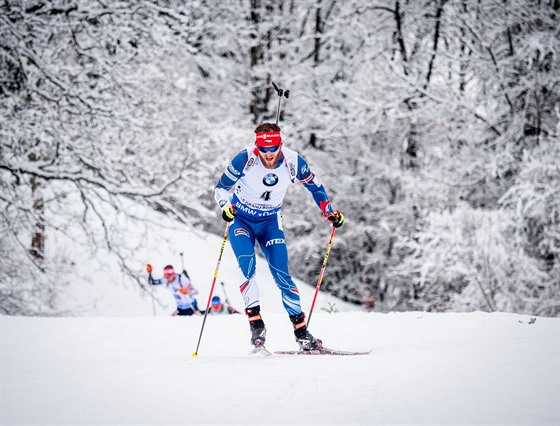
(258, 330)
(304, 338)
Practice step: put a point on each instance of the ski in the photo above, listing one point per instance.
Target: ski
(322, 351)
(260, 350)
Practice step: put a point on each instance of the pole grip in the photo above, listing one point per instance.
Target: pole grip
(278, 109)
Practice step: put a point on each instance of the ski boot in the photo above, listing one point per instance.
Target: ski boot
(258, 330)
(304, 338)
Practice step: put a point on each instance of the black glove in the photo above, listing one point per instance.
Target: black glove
(228, 213)
(336, 218)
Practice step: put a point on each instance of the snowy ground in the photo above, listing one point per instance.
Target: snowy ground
(119, 364)
(424, 369)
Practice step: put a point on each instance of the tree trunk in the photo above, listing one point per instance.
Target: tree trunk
(37, 249)
(257, 106)
(439, 12)
(318, 35)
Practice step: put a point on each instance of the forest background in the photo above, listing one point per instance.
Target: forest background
(434, 125)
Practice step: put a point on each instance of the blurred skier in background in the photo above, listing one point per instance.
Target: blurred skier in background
(260, 175)
(218, 307)
(181, 287)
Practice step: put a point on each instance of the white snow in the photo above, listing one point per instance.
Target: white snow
(121, 365)
(450, 369)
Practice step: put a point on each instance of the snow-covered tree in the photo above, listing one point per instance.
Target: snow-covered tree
(433, 124)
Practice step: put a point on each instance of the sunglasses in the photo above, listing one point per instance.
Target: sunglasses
(269, 148)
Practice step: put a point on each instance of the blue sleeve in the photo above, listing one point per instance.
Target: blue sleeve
(313, 185)
(234, 171)
(159, 281)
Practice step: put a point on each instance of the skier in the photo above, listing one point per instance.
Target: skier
(261, 175)
(181, 287)
(219, 308)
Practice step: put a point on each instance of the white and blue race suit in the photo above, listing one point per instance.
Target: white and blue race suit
(258, 196)
(182, 289)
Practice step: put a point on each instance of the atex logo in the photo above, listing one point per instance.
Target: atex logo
(275, 241)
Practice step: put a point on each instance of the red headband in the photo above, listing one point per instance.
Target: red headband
(268, 139)
(168, 272)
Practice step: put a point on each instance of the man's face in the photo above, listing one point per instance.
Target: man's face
(270, 155)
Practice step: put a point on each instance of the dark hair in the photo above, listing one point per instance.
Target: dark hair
(267, 127)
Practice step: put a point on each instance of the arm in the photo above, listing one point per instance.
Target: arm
(229, 178)
(317, 189)
(151, 280)
(186, 286)
(313, 185)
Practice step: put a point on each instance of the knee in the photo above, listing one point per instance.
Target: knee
(247, 267)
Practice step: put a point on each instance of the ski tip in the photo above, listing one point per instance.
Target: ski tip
(260, 350)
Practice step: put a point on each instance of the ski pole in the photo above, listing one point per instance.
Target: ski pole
(281, 92)
(321, 274)
(224, 290)
(149, 270)
(195, 353)
(183, 266)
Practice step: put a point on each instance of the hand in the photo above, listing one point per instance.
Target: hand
(228, 213)
(148, 268)
(183, 290)
(336, 218)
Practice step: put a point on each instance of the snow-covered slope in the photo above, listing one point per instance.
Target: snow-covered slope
(451, 369)
(100, 288)
(119, 364)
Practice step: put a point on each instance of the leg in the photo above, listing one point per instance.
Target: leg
(183, 312)
(242, 242)
(273, 245)
(243, 245)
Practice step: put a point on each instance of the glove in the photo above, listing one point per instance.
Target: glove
(336, 218)
(183, 290)
(228, 213)
(149, 270)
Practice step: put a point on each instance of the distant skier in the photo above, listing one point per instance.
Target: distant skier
(181, 287)
(261, 175)
(218, 307)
